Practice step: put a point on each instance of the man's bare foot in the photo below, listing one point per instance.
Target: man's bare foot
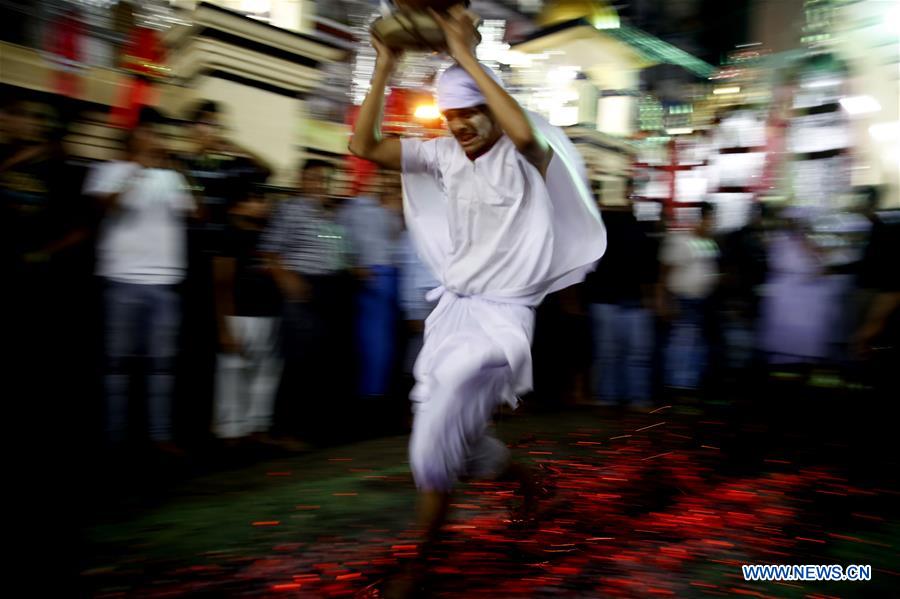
(532, 492)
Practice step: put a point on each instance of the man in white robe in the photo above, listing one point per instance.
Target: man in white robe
(501, 214)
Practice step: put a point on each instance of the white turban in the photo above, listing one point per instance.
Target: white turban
(457, 89)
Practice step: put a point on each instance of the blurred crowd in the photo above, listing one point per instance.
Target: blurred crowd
(179, 300)
(696, 313)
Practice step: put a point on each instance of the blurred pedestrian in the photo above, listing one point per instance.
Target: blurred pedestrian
(142, 257)
(483, 209)
(620, 293)
(221, 173)
(310, 258)
(248, 306)
(799, 305)
(373, 228)
(689, 275)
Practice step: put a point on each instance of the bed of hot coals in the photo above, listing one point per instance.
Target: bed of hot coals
(645, 512)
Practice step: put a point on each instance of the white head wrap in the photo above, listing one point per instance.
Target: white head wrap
(457, 89)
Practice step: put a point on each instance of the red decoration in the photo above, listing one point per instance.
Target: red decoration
(397, 115)
(64, 44)
(144, 56)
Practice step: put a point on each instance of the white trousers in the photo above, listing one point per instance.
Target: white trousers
(476, 356)
(246, 383)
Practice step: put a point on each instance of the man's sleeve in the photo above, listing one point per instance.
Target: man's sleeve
(419, 156)
(104, 178)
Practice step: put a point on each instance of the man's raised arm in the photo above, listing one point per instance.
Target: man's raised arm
(459, 30)
(367, 141)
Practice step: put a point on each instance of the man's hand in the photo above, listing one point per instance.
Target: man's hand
(665, 308)
(361, 273)
(367, 141)
(459, 31)
(386, 58)
(863, 340)
(227, 343)
(883, 306)
(294, 287)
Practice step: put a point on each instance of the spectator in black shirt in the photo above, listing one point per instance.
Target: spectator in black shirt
(622, 325)
(881, 274)
(221, 174)
(873, 443)
(248, 306)
(45, 260)
(221, 171)
(744, 268)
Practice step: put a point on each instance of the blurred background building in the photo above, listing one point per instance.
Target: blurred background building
(649, 88)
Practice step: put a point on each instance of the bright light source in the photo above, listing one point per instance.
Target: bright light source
(605, 21)
(721, 91)
(679, 131)
(561, 75)
(819, 83)
(516, 58)
(860, 104)
(892, 19)
(427, 112)
(564, 116)
(885, 131)
(256, 7)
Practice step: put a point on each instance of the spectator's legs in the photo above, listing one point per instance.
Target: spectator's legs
(162, 343)
(230, 391)
(637, 347)
(263, 373)
(606, 377)
(297, 384)
(686, 351)
(376, 326)
(123, 310)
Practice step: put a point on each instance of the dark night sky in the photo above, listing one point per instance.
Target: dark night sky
(710, 33)
(722, 25)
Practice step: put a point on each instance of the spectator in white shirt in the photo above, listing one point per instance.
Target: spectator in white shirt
(141, 256)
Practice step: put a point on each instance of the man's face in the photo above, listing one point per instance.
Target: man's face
(148, 139)
(473, 128)
(206, 130)
(316, 182)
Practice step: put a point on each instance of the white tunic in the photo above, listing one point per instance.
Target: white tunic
(499, 238)
(493, 227)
